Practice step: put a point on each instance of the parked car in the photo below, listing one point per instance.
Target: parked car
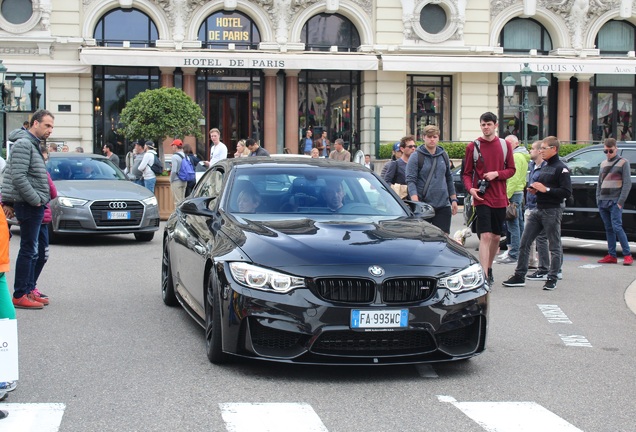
(301, 279)
(581, 217)
(460, 190)
(95, 197)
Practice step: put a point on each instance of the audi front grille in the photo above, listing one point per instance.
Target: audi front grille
(100, 209)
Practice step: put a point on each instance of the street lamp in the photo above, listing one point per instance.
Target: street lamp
(17, 86)
(509, 85)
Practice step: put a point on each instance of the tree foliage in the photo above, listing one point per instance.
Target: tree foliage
(160, 113)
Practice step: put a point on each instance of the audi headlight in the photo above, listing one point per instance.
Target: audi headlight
(465, 280)
(264, 279)
(71, 202)
(152, 201)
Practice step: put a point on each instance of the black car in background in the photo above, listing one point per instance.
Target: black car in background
(266, 261)
(581, 217)
(460, 190)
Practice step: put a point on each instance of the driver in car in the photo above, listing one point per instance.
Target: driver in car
(248, 201)
(333, 195)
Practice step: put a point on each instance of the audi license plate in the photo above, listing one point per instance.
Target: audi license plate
(379, 319)
(118, 215)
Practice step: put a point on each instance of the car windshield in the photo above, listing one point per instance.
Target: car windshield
(83, 168)
(288, 190)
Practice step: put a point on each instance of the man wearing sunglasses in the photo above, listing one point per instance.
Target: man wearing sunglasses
(614, 184)
(552, 187)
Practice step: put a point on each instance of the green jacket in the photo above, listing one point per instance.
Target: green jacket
(517, 182)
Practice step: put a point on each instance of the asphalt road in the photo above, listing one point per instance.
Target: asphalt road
(112, 357)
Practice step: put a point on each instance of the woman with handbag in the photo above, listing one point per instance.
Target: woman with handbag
(429, 179)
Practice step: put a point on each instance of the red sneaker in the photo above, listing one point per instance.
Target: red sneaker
(25, 302)
(608, 260)
(628, 260)
(33, 296)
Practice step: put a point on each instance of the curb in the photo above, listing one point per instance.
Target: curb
(630, 296)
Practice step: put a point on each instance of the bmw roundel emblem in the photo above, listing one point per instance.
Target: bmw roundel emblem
(376, 271)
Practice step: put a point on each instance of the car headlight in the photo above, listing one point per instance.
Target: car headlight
(152, 201)
(465, 280)
(71, 202)
(263, 279)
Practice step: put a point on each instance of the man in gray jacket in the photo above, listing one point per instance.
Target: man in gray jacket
(25, 192)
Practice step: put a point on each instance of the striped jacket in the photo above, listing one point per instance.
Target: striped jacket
(614, 181)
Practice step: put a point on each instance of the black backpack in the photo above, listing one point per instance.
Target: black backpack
(156, 166)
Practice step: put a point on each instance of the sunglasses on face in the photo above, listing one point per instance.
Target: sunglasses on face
(610, 151)
(411, 146)
(544, 148)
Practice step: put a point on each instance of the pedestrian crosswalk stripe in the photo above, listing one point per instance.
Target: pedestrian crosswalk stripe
(271, 417)
(512, 416)
(32, 417)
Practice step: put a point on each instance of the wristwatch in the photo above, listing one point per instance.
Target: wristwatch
(454, 200)
(547, 189)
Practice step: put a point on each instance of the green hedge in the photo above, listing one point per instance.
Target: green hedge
(457, 150)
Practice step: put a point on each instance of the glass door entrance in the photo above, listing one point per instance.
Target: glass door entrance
(612, 116)
(230, 113)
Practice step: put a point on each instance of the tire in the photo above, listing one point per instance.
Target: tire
(167, 285)
(144, 236)
(213, 337)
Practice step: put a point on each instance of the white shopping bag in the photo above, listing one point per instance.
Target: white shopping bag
(8, 350)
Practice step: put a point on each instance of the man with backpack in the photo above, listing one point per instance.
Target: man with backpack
(485, 178)
(150, 165)
(182, 172)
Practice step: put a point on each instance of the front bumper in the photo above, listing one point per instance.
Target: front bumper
(301, 327)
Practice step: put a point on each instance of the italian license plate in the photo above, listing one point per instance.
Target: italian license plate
(379, 319)
(118, 215)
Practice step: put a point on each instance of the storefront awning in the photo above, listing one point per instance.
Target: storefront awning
(231, 59)
(495, 63)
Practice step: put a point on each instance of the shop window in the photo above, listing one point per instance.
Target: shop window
(16, 11)
(126, 25)
(223, 28)
(520, 35)
(323, 31)
(428, 99)
(329, 101)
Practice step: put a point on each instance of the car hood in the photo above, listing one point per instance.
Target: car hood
(400, 243)
(101, 189)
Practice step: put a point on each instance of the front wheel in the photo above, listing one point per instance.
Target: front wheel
(167, 285)
(213, 338)
(144, 236)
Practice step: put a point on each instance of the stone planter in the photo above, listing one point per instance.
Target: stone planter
(164, 197)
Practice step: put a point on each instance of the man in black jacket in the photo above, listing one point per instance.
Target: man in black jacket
(551, 189)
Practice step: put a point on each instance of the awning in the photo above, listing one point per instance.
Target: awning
(231, 59)
(40, 66)
(496, 63)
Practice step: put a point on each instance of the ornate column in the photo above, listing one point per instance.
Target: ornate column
(291, 110)
(269, 111)
(167, 76)
(583, 109)
(563, 108)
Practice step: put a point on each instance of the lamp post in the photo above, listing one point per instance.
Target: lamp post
(17, 86)
(509, 85)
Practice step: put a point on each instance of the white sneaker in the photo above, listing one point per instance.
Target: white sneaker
(502, 256)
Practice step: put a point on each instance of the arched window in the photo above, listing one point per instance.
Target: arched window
(616, 38)
(323, 31)
(520, 35)
(223, 28)
(130, 25)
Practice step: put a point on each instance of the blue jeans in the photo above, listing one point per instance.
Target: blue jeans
(150, 184)
(43, 252)
(515, 227)
(30, 219)
(613, 220)
(548, 221)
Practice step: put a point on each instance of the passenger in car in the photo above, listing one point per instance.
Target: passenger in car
(248, 200)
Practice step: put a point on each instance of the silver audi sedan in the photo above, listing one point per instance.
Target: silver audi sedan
(95, 197)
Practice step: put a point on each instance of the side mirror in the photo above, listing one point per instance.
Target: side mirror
(197, 206)
(421, 210)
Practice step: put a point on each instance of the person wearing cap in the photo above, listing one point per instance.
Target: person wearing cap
(395, 171)
(148, 159)
(177, 185)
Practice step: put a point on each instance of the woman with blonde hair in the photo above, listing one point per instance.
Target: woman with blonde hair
(241, 150)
